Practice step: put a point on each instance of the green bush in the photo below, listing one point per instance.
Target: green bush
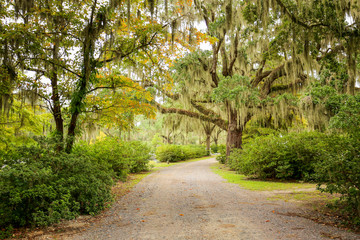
(119, 157)
(169, 153)
(193, 151)
(39, 186)
(222, 157)
(217, 148)
(176, 153)
(137, 154)
(340, 173)
(214, 148)
(292, 156)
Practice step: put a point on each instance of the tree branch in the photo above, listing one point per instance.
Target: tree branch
(295, 19)
(57, 64)
(217, 121)
(123, 55)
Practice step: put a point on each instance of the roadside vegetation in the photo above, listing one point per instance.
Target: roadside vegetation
(40, 186)
(329, 160)
(255, 184)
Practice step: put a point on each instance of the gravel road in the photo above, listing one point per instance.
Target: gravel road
(189, 201)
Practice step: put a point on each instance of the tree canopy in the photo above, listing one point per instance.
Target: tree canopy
(263, 55)
(104, 62)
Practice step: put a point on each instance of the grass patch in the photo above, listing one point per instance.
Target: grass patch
(257, 185)
(305, 196)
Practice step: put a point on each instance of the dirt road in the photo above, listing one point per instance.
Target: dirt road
(189, 201)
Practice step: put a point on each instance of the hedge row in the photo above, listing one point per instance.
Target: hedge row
(217, 148)
(332, 161)
(176, 153)
(288, 156)
(39, 186)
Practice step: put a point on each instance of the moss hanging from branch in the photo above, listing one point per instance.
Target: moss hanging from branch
(228, 12)
(151, 4)
(173, 31)
(23, 5)
(128, 6)
(166, 9)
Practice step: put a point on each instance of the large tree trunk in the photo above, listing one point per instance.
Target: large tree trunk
(234, 139)
(88, 69)
(234, 136)
(208, 138)
(80, 93)
(56, 108)
(208, 129)
(216, 141)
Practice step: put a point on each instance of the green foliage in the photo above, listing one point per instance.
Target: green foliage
(169, 153)
(138, 155)
(6, 232)
(39, 186)
(216, 148)
(292, 156)
(255, 184)
(118, 156)
(340, 173)
(236, 88)
(222, 157)
(156, 141)
(347, 117)
(176, 153)
(193, 151)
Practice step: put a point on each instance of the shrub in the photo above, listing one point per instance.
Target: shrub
(117, 156)
(193, 151)
(40, 187)
(292, 156)
(222, 157)
(137, 154)
(217, 148)
(340, 173)
(169, 153)
(175, 153)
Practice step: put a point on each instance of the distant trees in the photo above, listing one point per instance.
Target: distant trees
(262, 55)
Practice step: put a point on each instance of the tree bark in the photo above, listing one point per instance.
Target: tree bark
(56, 108)
(234, 136)
(80, 93)
(213, 119)
(208, 143)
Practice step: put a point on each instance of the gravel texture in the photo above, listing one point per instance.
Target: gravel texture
(189, 201)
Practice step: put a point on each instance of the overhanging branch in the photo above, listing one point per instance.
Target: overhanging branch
(215, 120)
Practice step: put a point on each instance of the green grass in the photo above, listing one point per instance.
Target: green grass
(257, 185)
(305, 196)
